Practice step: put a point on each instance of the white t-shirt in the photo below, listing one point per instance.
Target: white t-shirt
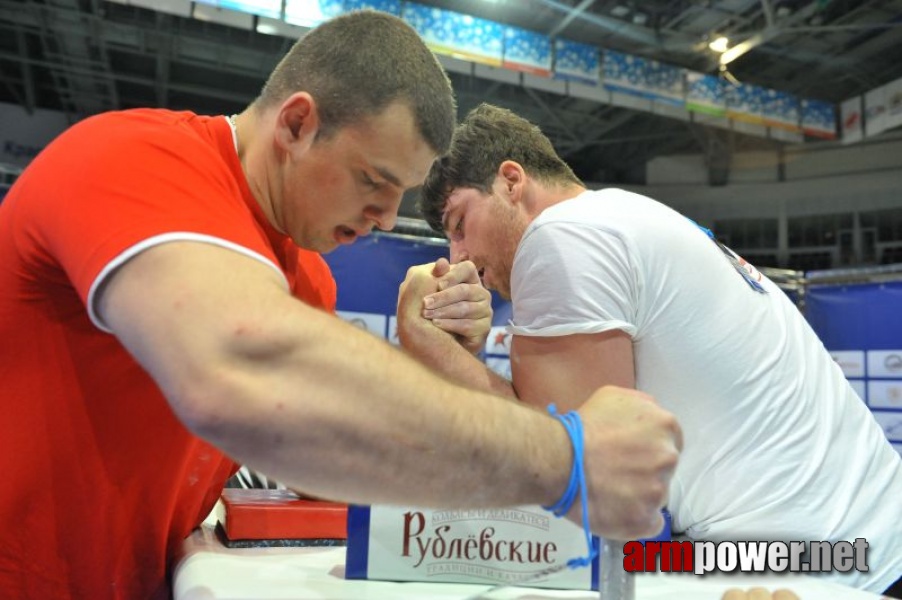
(777, 444)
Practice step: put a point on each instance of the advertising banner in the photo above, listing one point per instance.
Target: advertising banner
(576, 62)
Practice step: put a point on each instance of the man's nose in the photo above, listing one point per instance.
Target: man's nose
(458, 252)
(382, 219)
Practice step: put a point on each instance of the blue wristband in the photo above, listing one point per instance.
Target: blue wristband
(577, 484)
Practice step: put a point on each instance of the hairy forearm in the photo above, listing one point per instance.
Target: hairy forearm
(465, 313)
(317, 403)
(440, 351)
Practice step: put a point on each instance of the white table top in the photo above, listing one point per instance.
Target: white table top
(210, 571)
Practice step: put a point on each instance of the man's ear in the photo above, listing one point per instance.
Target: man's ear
(297, 124)
(512, 176)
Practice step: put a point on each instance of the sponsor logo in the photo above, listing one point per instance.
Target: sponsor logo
(893, 363)
(359, 323)
(875, 111)
(440, 547)
(502, 338)
(747, 557)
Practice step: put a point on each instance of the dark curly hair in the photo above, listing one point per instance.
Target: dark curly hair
(488, 136)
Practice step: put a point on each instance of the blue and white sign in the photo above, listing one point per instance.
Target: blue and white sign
(850, 361)
(862, 322)
(499, 341)
(526, 50)
(885, 363)
(885, 394)
(264, 8)
(705, 93)
(819, 119)
(389, 6)
(891, 423)
(310, 13)
(782, 109)
(860, 387)
(370, 322)
(577, 62)
(456, 34)
(746, 102)
(625, 73)
(666, 83)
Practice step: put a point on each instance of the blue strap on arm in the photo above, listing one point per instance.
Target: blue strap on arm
(577, 484)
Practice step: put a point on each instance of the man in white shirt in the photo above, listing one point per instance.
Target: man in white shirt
(610, 287)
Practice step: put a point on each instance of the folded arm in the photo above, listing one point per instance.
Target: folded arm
(444, 316)
(566, 370)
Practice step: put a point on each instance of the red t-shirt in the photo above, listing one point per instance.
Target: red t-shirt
(101, 482)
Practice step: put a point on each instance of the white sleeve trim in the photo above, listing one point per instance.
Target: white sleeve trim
(175, 236)
(572, 328)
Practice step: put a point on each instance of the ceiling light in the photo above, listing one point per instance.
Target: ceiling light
(725, 73)
(720, 44)
(762, 37)
(738, 50)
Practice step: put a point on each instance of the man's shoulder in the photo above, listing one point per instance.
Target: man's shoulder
(142, 124)
(150, 116)
(143, 141)
(606, 209)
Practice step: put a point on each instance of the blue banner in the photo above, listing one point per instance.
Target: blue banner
(860, 326)
(369, 271)
(576, 61)
(456, 34)
(526, 50)
(389, 6)
(819, 119)
(856, 317)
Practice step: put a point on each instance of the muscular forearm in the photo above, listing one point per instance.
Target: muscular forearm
(345, 416)
(314, 402)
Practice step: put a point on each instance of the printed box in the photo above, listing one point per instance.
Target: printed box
(516, 546)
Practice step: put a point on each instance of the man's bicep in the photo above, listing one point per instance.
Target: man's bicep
(171, 304)
(567, 369)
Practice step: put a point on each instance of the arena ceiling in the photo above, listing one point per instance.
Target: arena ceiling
(87, 56)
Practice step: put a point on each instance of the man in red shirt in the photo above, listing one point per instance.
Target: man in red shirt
(164, 313)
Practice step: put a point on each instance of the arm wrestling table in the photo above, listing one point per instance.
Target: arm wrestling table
(207, 570)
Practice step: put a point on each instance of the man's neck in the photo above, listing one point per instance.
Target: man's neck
(555, 194)
(258, 167)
